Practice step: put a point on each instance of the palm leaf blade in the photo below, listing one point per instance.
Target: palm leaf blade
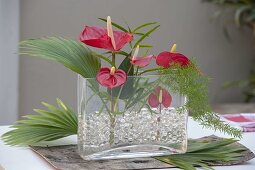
(56, 123)
(73, 55)
(209, 152)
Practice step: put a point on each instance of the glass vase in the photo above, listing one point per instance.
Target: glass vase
(142, 118)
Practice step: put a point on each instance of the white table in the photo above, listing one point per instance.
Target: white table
(22, 158)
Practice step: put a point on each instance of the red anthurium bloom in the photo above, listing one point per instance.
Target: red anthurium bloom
(158, 97)
(105, 38)
(140, 61)
(111, 78)
(166, 59)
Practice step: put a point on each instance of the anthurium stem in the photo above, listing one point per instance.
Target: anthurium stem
(112, 120)
(158, 120)
(121, 88)
(151, 70)
(137, 68)
(104, 58)
(112, 127)
(113, 58)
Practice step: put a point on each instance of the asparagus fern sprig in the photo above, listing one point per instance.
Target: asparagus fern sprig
(188, 81)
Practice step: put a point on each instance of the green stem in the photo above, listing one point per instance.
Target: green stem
(151, 70)
(149, 90)
(96, 92)
(112, 126)
(158, 120)
(113, 58)
(136, 72)
(121, 88)
(104, 58)
(112, 120)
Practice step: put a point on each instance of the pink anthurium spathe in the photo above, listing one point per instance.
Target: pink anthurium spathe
(140, 61)
(105, 38)
(159, 97)
(166, 59)
(111, 78)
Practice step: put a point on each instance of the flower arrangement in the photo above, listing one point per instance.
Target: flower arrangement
(114, 84)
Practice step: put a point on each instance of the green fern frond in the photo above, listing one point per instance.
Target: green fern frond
(73, 55)
(51, 124)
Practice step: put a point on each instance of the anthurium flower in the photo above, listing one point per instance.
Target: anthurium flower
(166, 59)
(160, 96)
(140, 61)
(105, 38)
(111, 78)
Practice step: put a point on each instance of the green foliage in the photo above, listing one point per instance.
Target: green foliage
(143, 26)
(73, 55)
(51, 124)
(204, 153)
(146, 35)
(115, 25)
(189, 82)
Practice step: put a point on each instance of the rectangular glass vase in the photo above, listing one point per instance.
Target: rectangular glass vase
(141, 118)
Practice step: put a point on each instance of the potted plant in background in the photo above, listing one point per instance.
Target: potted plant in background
(126, 110)
(244, 16)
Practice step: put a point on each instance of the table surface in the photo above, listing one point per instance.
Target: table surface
(22, 158)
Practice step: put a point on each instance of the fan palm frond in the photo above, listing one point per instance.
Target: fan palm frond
(73, 55)
(51, 124)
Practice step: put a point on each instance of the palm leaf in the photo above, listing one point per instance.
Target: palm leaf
(55, 123)
(73, 55)
(201, 153)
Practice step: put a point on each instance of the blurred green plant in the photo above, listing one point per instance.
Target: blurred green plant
(244, 16)
(248, 85)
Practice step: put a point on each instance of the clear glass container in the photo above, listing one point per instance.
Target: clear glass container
(133, 120)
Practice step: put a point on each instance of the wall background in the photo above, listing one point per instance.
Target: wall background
(9, 61)
(186, 23)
